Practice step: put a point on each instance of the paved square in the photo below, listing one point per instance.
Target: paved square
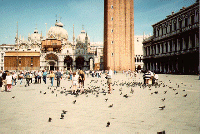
(30, 110)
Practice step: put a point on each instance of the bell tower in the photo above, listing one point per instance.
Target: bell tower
(119, 35)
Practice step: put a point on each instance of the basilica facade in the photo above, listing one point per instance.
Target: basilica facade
(55, 51)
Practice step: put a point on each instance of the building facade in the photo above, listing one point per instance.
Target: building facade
(174, 46)
(138, 51)
(119, 35)
(55, 51)
(3, 49)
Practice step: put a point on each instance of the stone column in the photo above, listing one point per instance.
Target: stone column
(161, 48)
(178, 45)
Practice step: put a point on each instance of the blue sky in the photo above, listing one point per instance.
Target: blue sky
(89, 13)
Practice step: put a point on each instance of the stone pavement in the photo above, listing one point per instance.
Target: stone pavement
(30, 110)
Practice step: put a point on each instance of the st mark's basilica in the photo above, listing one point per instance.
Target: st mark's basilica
(51, 53)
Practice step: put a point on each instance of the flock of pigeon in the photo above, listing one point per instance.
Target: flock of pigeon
(97, 90)
(92, 89)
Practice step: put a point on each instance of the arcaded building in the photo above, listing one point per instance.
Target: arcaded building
(174, 46)
(119, 35)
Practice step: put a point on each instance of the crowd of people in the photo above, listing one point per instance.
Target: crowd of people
(25, 78)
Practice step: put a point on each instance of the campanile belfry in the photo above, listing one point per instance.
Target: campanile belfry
(119, 35)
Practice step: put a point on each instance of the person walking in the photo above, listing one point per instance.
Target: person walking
(58, 77)
(44, 75)
(39, 76)
(9, 81)
(21, 77)
(81, 80)
(52, 76)
(109, 79)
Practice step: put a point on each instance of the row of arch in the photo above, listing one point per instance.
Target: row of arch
(68, 61)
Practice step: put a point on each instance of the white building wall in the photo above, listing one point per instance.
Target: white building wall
(138, 50)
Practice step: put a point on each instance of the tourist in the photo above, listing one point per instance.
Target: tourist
(58, 77)
(14, 77)
(31, 77)
(21, 77)
(109, 79)
(36, 76)
(74, 82)
(147, 77)
(52, 76)
(155, 78)
(81, 80)
(39, 76)
(1, 81)
(9, 81)
(27, 76)
(44, 75)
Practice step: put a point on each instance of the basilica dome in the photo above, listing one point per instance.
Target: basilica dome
(81, 37)
(58, 31)
(35, 37)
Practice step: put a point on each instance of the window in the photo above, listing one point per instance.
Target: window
(180, 24)
(111, 30)
(112, 42)
(2, 60)
(31, 58)
(186, 22)
(112, 54)
(192, 19)
(111, 6)
(175, 26)
(135, 60)
(111, 18)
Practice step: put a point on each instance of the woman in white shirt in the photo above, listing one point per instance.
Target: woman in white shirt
(9, 81)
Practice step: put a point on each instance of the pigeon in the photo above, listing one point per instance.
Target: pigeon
(97, 95)
(108, 124)
(74, 101)
(161, 108)
(163, 99)
(64, 112)
(174, 89)
(156, 92)
(111, 105)
(183, 90)
(176, 93)
(40, 91)
(62, 116)
(86, 95)
(56, 95)
(165, 92)
(50, 119)
(185, 95)
(45, 93)
(121, 93)
(52, 92)
(126, 96)
(13, 97)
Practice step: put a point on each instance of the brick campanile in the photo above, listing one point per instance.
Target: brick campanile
(119, 35)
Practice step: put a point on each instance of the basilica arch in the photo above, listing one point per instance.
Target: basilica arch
(68, 61)
(80, 62)
(52, 61)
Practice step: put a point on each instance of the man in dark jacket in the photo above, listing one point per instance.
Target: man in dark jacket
(58, 77)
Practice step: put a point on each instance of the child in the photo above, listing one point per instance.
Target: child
(74, 82)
